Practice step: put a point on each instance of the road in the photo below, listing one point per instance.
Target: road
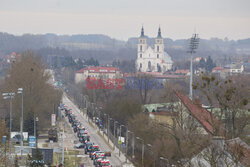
(93, 132)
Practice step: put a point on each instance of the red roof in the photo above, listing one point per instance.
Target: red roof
(217, 68)
(92, 69)
(153, 75)
(182, 71)
(207, 120)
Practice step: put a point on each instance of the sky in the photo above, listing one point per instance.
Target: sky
(122, 19)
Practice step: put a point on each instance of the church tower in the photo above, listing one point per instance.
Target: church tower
(141, 48)
(159, 45)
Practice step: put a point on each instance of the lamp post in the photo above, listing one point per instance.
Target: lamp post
(152, 152)
(133, 143)
(164, 159)
(120, 141)
(20, 91)
(9, 96)
(142, 152)
(109, 127)
(114, 130)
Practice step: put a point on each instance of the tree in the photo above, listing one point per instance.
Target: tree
(209, 64)
(228, 99)
(36, 160)
(39, 95)
(202, 63)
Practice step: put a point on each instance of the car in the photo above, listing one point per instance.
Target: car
(98, 161)
(88, 146)
(93, 150)
(17, 138)
(79, 145)
(105, 163)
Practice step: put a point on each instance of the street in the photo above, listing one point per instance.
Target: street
(94, 137)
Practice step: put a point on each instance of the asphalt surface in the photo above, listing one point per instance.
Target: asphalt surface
(94, 137)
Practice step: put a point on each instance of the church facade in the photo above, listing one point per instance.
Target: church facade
(152, 59)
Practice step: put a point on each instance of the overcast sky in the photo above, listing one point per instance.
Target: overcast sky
(122, 19)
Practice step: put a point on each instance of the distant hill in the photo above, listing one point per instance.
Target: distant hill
(9, 42)
(107, 49)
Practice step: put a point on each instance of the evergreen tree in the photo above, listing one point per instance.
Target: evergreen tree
(202, 63)
(209, 64)
(36, 160)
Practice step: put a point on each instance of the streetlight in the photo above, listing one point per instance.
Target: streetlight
(120, 139)
(164, 159)
(20, 91)
(142, 152)
(114, 132)
(9, 96)
(152, 152)
(133, 144)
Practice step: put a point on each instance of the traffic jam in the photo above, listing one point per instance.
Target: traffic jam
(98, 157)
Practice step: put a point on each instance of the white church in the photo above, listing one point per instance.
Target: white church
(152, 59)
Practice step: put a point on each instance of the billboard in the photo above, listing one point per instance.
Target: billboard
(32, 141)
(25, 135)
(53, 119)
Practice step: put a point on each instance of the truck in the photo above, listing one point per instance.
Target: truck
(52, 135)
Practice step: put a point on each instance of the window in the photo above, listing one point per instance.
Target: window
(140, 55)
(149, 66)
(141, 48)
(157, 56)
(140, 65)
(158, 48)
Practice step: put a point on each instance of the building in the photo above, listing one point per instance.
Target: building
(12, 57)
(152, 59)
(98, 72)
(234, 68)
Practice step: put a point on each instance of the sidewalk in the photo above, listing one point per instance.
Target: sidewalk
(122, 157)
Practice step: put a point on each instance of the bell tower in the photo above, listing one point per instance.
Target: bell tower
(141, 49)
(159, 45)
(142, 44)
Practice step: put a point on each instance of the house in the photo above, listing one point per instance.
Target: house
(98, 72)
(208, 123)
(12, 57)
(221, 152)
(182, 72)
(218, 69)
(159, 112)
(234, 68)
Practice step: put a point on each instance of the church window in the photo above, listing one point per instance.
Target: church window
(141, 48)
(140, 65)
(158, 48)
(157, 55)
(140, 55)
(149, 66)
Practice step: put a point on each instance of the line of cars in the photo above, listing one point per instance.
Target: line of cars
(94, 152)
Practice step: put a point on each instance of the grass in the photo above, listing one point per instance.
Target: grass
(69, 158)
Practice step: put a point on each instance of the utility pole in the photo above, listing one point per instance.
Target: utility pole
(142, 151)
(120, 140)
(9, 96)
(194, 42)
(126, 144)
(63, 145)
(20, 91)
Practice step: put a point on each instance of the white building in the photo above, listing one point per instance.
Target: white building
(98, 72)
(152, 59)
